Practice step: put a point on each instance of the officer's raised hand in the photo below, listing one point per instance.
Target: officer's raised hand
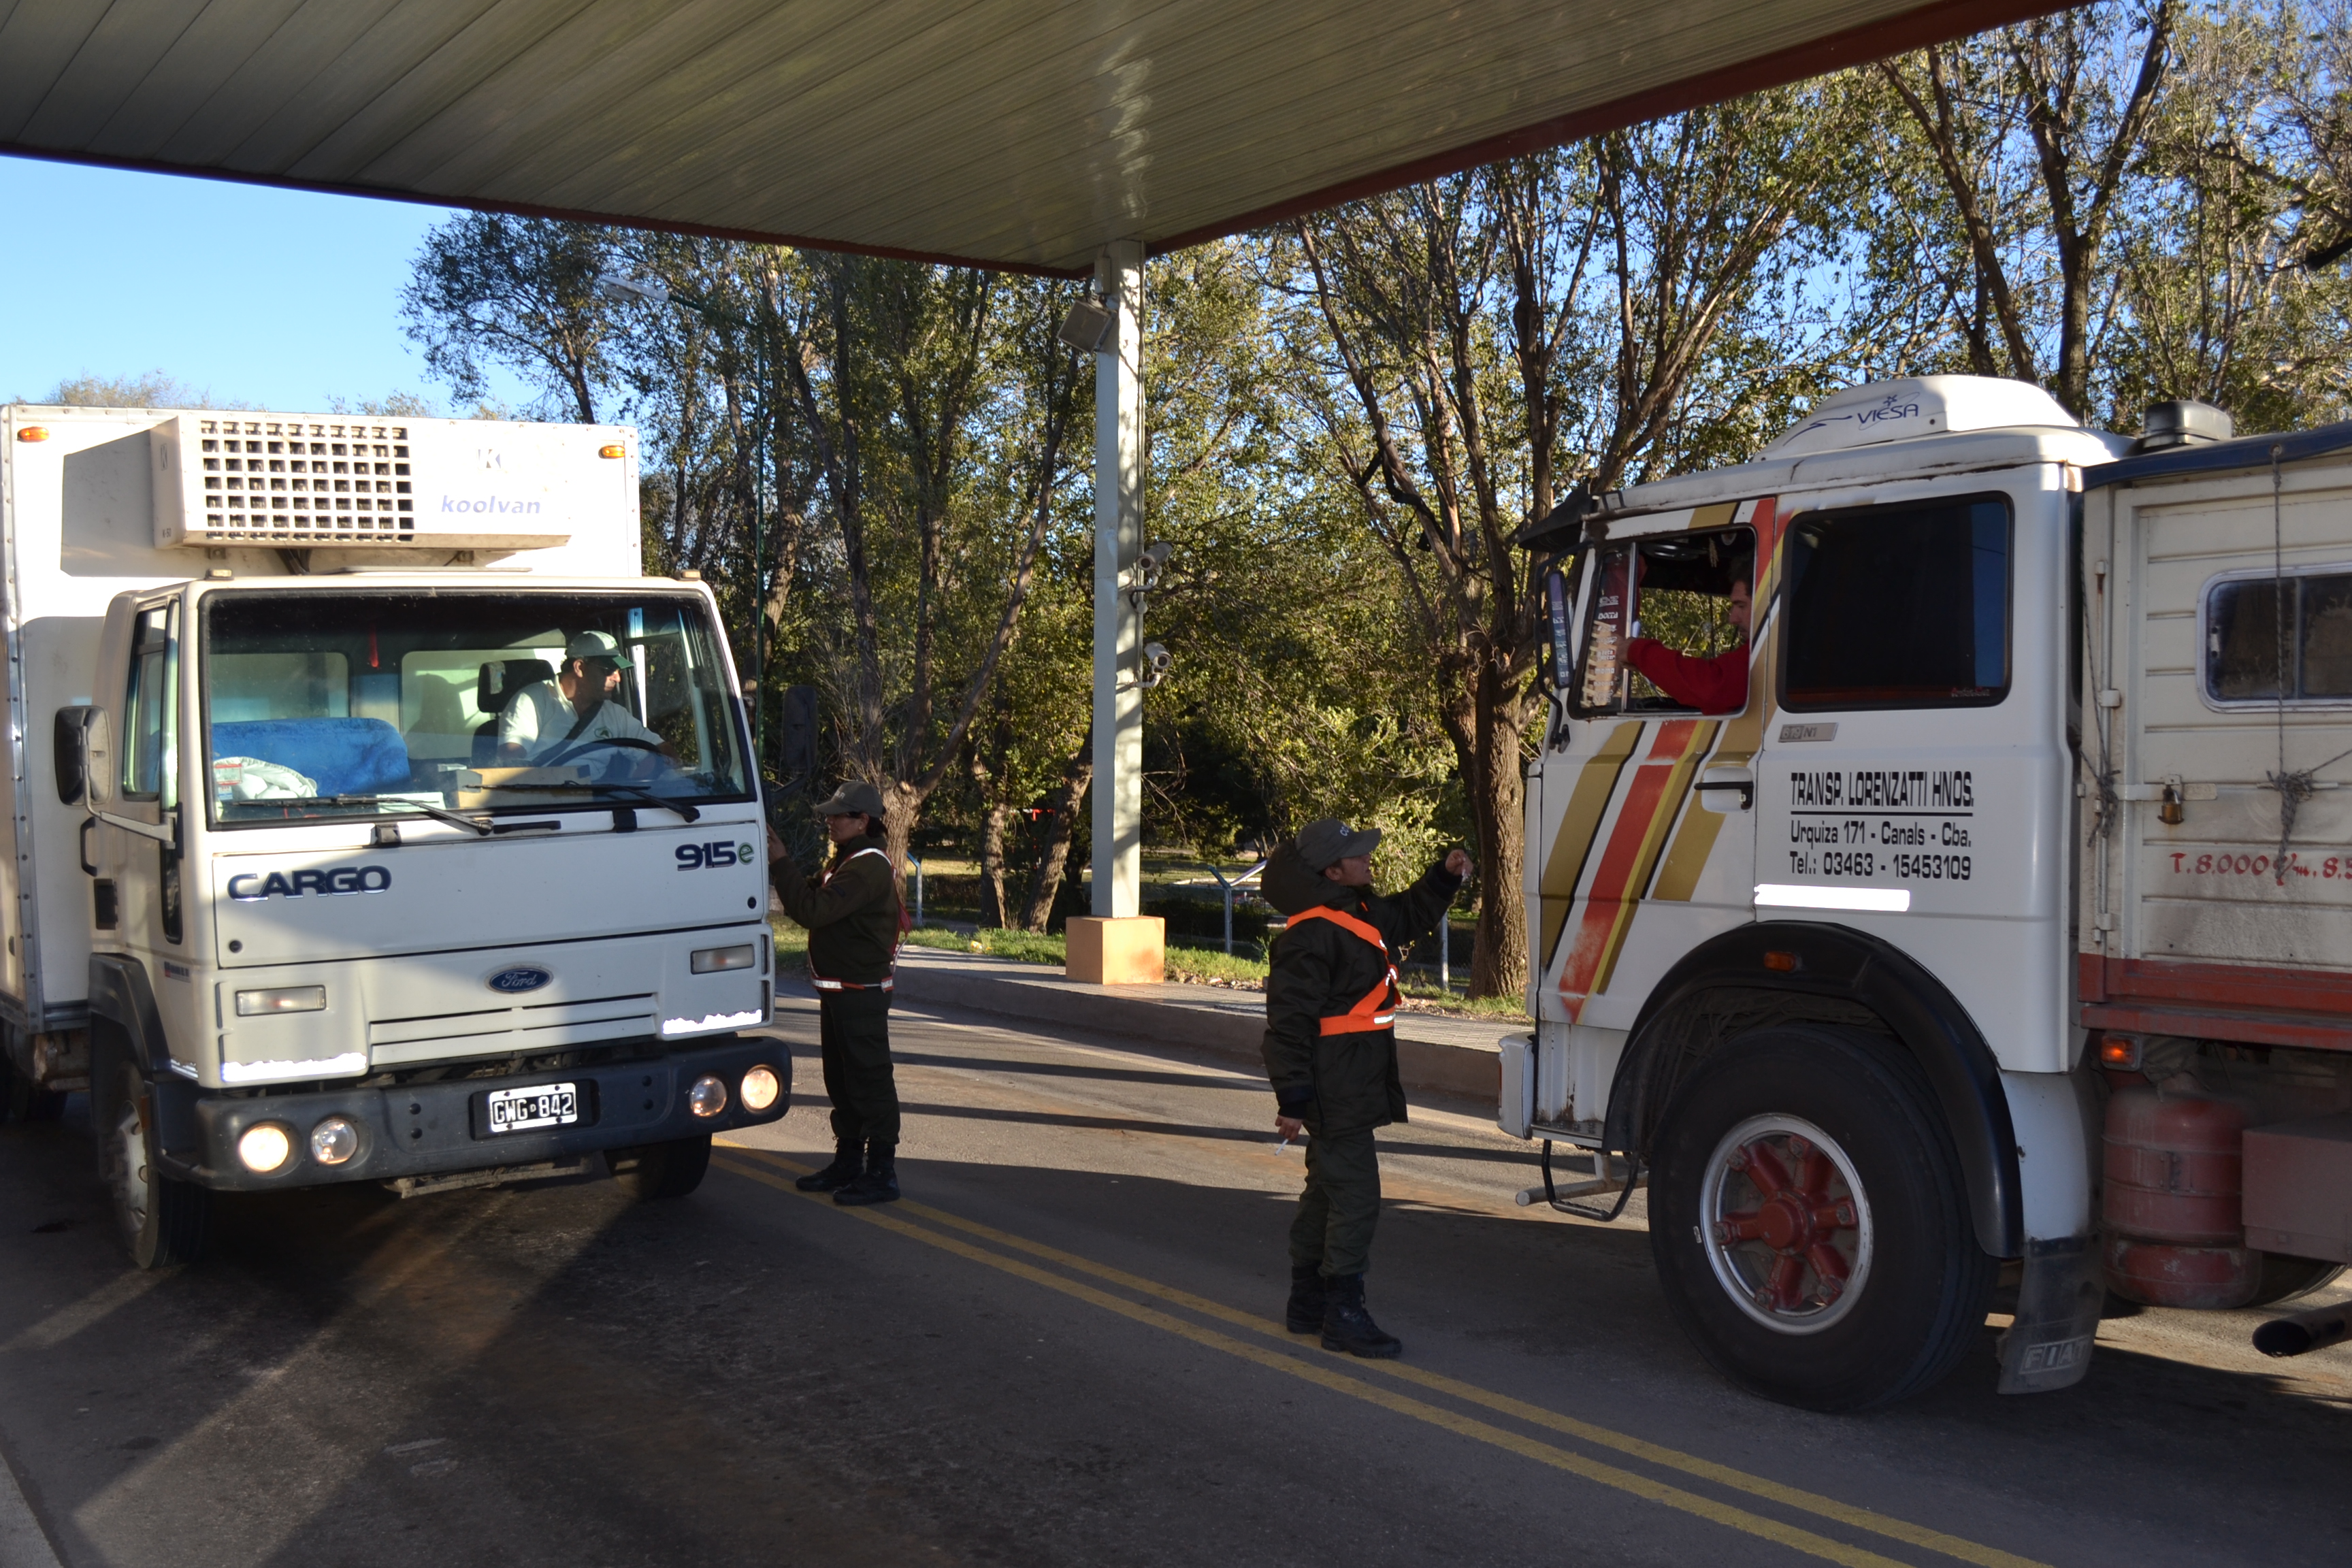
(1457, 862)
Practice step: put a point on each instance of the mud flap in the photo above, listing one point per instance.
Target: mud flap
(2048, 1347)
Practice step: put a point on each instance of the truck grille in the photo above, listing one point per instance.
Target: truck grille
(498, 1031)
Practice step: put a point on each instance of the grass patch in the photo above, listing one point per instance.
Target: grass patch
(1021, 946)
(1206, 964)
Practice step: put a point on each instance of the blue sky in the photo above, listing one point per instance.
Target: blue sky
(277, 299)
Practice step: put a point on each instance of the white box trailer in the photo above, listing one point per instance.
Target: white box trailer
(371, 816)
(1939, 929)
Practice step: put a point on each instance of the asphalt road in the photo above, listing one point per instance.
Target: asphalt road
(1064, 1348)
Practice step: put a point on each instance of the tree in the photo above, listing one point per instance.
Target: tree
(518, 290)
(1459, 322)
(2032, 133)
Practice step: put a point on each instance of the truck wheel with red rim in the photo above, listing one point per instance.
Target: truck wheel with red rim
(162, 1220)
(1811, 1223)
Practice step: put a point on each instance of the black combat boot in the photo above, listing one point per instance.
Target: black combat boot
(879, 1184)
(1347, 1326)
(848, 1160)
(1305, 1314)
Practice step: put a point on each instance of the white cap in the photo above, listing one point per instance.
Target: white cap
(592, 645)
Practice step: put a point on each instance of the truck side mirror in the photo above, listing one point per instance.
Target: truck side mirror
(85, 756)
(70, 744)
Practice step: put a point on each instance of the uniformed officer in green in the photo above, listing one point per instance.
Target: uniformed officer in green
(1330, 1053)
(851, 911)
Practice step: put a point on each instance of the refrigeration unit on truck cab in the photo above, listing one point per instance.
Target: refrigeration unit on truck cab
(2003, 925)
(374, 816)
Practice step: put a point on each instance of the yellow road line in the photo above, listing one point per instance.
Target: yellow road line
(1600, 1436)
(1559, 1459)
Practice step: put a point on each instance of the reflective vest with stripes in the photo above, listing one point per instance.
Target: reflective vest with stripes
(1378, 1009)
(825, 983)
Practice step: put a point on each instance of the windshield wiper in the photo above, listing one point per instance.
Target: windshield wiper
(638, 792)
(435, 812)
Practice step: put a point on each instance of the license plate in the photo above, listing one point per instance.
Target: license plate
(524, 1109)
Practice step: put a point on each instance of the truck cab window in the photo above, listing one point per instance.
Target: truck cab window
(1666, 631)
(150, 756)
(2243, 642)
(1897, 606)
(477, 701)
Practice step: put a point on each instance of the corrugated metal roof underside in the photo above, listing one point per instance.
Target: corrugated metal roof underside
(1025, 134)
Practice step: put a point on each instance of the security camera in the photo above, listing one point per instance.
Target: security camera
(1157, 662)
(1149, 564)
(622, 289)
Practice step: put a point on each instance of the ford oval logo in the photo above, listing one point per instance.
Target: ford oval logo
(522, 977)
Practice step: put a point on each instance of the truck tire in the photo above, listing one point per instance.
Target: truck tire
(1809, 1221)
(161, 1221)
(2288, 1279)
(668, 1170)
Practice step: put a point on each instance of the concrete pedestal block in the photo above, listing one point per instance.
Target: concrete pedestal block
(1130, 950)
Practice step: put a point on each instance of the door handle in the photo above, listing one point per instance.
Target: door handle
(87, 824)
(1739, 779)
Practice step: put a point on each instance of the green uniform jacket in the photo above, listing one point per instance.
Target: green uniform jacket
(852, 919)
(1337, 1083)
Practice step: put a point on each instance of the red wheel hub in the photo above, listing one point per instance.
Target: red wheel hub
(1797, 1216)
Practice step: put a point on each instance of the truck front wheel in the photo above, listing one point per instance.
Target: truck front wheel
(1809, 1221)
(163, 1220)
(668, 1170)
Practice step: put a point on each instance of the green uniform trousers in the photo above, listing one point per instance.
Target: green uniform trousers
(854, 1031)
(1341, 1203)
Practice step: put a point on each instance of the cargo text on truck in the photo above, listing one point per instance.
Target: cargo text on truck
(290, 892)
(2007, 925)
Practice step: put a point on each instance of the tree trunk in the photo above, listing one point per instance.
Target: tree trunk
(1053, 860)
(1499, 966)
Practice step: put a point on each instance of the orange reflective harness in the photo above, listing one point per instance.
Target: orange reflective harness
(825, 983)
(1379, 1007)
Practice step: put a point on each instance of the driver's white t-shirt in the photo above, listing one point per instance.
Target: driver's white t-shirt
(539, 718)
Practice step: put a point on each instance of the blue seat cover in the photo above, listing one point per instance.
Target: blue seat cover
(346, 756)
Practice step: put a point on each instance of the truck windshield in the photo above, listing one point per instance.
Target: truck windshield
(361, 704)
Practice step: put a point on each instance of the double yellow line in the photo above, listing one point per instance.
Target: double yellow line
(1323, 1371)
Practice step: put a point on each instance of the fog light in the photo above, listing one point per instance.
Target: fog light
(759, 1088)
(335, 1141)
(710, 960)
(264, 1148)
(708, 1096)
(284, 999)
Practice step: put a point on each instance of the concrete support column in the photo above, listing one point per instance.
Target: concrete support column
(1119, 627)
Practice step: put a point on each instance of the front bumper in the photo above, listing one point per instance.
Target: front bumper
(430, 1128)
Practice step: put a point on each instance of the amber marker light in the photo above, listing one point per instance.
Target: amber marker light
(33, 432)
(1781, 963)
(2120, 1052)
(613, 450)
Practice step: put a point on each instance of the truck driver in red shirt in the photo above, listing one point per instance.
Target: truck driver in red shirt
(1712, 685)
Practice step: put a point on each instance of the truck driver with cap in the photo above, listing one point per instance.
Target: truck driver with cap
(1330, 1053)
(550, 718)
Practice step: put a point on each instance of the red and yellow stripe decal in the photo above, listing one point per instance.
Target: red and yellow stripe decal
(1653, 799)
(1571, 843)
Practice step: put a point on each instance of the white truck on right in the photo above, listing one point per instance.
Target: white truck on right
(2000, 937)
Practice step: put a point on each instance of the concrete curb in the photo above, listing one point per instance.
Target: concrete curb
(1228, 1029)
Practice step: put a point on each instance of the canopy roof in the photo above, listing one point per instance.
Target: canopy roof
(1022, 134)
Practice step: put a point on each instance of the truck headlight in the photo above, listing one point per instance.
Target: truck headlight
(708, 1096)
(710, 960)
(759, 1088)
(335, 1141)
(265, 1147)
(284, 999)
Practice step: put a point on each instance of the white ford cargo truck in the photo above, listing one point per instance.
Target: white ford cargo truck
(1973, 940)
(371, 816)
